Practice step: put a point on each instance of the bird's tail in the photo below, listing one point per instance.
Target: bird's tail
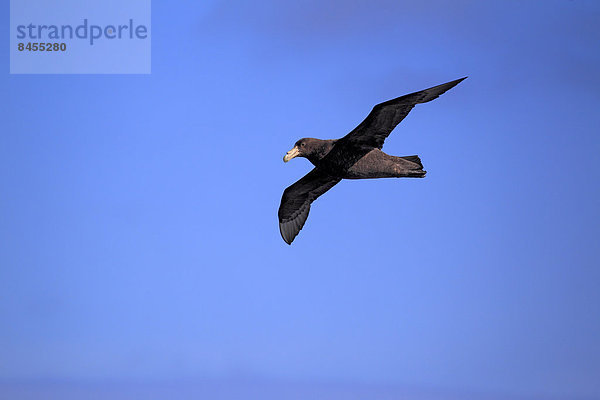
(414, 159)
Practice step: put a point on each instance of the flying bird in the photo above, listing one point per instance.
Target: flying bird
(357, 155)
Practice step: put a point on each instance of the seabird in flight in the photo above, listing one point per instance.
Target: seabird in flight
(357, 155)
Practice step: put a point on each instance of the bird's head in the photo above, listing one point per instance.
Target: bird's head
(306, 147)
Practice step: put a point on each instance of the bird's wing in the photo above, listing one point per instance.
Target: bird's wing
(385, 116)
(296, 199)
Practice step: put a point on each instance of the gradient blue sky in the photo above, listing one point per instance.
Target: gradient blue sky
(138, 230)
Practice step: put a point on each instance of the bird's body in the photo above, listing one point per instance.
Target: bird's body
(357, 155)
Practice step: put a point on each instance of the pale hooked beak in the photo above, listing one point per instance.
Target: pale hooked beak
(291, 154)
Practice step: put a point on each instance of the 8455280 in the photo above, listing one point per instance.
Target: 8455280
(44, 46)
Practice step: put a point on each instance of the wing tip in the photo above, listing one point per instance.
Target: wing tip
(286, 234)
(436, 91)
(454, 82)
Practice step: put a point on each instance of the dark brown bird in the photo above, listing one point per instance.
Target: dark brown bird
(357, 155)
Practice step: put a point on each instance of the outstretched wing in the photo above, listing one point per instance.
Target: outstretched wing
(384, 117)
(296, 199)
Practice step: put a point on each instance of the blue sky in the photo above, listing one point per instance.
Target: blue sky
(138, 214)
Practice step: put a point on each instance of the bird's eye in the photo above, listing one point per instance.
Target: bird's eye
(302, 144)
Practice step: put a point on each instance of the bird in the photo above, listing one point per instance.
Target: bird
(357, 155)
